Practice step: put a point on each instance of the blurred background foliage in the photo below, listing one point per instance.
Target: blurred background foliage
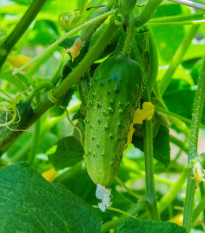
(179, 96)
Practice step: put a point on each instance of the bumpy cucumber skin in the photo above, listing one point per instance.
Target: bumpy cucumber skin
(115, 90)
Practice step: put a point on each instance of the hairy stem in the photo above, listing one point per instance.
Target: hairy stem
(129, 37)
(20, 28)
(193, 144)
(147, 12)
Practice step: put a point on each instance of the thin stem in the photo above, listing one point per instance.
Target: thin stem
(196, 22)
(147, 12)
(197, 211)
(41, 61)
(37, 89)
(156, 177)
(120, 182)
(150, 188)
(170, 196)
(193, 144)
(116, 222)
(178, 18)
(176, 60)
(166, 200)
(149, 168)
(181, 144)
(117, 211)
(35, 141)
(129, 36)
(190, 3)
(176, 115)
(153, 63)
(20, 28)
(68, 34)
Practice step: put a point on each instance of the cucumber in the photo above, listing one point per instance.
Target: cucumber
(114, 93)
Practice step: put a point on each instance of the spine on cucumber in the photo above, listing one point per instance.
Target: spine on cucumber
(115, 90)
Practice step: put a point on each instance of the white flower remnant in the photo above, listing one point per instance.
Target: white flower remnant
(105, 195)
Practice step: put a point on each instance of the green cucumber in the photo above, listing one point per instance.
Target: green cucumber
(114, 93)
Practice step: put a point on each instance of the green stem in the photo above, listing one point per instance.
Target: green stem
(68, 34)
(170, 196)
(175, 115)
(120, 182)
(193, 144)
(116, 222)
(35, 141)
(166, 200)
(117, 211)
(147, 12)
(37, 89)
(150, 189)
(149, 168)
(41, 61)
(177, 59)
(202, 193)
(178, 18)
(197, 22)
(181, 144)
(154, 62)
(20, 28)
(129, 36)
(197, 211)
(156, 177)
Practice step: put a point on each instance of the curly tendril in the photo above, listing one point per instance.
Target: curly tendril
(8, 105)
(68, 20)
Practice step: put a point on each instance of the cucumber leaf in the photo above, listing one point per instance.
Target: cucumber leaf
(67, 152)
(32, 204)
(134, 225)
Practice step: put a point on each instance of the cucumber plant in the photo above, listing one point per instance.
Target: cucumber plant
(111, 108)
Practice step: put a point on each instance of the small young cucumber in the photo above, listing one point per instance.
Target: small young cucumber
(115, 90)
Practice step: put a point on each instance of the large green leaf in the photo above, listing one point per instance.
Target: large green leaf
(68, 151)
(168, 38)
(134, 225)
(29, 203)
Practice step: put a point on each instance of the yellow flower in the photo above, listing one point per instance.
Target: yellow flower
(19, 60)
(50, 174)
(178, 219)
(146, 113)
